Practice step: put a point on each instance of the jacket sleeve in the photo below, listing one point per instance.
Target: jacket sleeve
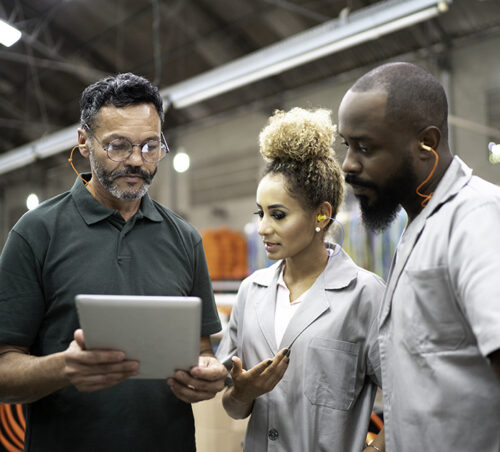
(230, 344)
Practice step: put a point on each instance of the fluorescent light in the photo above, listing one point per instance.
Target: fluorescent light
(56, 142)
(8, 34)
(333, 36)
(17, 158)
(47, 146)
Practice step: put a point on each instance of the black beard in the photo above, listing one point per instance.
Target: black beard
(379, 214)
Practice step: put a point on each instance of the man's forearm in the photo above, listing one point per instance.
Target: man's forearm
(25, 378)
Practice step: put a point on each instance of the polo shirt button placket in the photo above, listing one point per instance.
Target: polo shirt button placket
(273, 434)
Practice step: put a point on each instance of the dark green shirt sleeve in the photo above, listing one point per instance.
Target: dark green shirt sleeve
(21, 298)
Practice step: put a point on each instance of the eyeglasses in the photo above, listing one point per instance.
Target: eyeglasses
(121, 149)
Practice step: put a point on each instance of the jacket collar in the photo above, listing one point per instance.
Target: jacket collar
(457, 175)
(339, 272)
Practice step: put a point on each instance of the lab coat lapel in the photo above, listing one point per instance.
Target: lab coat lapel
(266, 305)
(399, 260)
(309, 310)
(456, 176)
(338, 273)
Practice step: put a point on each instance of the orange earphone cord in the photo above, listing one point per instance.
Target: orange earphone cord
(429, 196)
(70, 160)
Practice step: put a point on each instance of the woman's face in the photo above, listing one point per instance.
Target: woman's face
(286, 228)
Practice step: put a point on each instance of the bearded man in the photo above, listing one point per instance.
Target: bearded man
(439, 326)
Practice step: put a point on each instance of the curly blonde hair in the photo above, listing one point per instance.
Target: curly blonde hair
(298, 145)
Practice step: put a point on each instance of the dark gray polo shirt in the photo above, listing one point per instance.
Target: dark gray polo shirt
(72, 244)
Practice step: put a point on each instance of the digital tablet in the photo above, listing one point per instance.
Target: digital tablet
(162, 333)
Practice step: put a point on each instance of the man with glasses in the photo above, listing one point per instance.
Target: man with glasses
(106, 235)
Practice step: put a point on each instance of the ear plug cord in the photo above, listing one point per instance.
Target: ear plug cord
(87, 184)
(417, 191)
(324, 217)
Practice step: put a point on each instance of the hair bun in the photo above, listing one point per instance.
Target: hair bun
(298, 134)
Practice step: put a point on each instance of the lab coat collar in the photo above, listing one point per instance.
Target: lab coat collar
(339, 272)
(457, 175)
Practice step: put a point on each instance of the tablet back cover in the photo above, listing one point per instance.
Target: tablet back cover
(162, 333)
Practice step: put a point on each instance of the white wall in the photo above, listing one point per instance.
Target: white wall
(476, 69)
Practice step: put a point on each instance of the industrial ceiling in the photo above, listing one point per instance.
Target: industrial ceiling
(68, 44)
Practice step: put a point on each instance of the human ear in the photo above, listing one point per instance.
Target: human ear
(429, 140)
(324, 213)
(82, 143)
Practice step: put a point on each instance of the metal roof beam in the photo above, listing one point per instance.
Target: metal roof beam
(366, 24)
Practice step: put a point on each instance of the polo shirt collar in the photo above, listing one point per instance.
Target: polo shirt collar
(149, 210)
(92, 211)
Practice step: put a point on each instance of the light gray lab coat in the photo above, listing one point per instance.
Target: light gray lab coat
(324, 401)
(441, 319)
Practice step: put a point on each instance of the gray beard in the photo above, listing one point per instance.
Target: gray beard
(106, 180)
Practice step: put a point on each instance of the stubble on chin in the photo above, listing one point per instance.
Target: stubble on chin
(108, 181)
(129, 195)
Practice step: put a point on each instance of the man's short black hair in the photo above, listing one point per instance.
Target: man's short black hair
(415, 99)
(120, 91)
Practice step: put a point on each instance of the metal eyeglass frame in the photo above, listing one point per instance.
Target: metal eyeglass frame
(163, 141)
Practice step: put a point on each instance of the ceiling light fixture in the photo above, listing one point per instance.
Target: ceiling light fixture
(333, 36)
(9, 35)
(32, 201)
(181, 162)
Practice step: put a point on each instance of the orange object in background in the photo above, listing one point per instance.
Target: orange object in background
(370, 436)
(378, 425)
(12, 425)
(226, 252)
(377, 421)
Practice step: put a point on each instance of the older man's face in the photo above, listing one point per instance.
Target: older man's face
(131, 178)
